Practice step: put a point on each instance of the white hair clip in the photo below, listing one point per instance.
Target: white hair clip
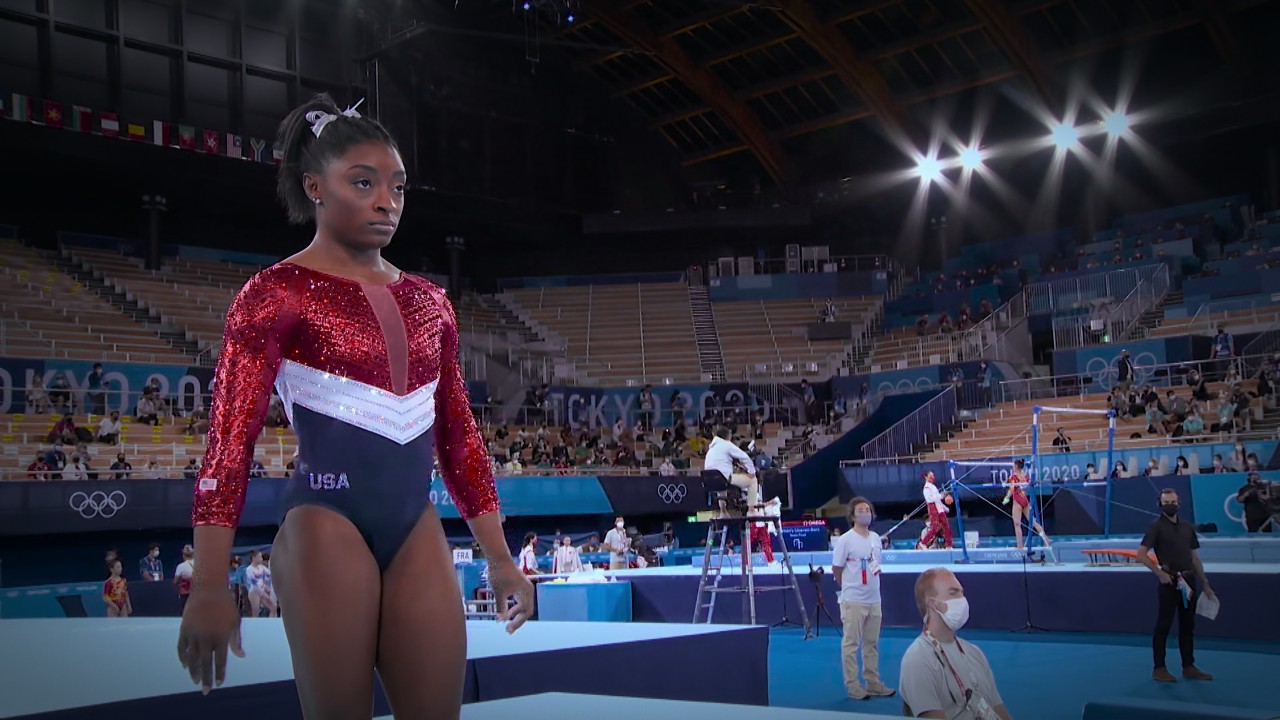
(320, 118)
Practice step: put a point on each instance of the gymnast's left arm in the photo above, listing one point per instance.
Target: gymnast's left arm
(468, 474)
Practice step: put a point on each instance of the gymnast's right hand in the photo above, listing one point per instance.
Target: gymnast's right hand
(210, 624)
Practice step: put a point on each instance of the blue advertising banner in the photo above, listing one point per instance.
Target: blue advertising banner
(580, 407)
(530, 495)
(184, 385)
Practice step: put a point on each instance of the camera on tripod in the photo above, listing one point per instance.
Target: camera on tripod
(1269, 495)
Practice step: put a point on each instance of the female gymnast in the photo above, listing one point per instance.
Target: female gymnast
(1016, 482)
(255, 579)
(936, 501)
(365, 360)
(115, 592)
(528, 561)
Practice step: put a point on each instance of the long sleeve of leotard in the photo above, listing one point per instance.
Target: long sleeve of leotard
(464, 459)
(247, 367)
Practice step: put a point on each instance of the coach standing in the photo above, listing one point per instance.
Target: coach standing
(1180, 571)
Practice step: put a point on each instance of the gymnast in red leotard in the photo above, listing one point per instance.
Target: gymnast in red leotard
(1016, 483)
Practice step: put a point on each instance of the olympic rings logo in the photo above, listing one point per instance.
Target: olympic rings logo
(1103, 371)
(97, 503)
(673, 493)
(1228, 504)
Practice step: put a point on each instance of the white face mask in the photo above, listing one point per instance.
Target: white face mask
(618, 525)
(957, 613)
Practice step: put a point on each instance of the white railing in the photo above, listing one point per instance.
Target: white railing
(913, 429)
(1054, 296)
(1101, 380)
(1108, 324)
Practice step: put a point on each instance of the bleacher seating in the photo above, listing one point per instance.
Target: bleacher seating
(1005, 430)
(50, 315)
(768, 338)
(619, 334)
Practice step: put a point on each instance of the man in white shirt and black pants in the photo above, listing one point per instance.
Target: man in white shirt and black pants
(717, 468)
(855, 561)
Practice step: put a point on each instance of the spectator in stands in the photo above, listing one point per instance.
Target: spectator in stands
(1193, 427)
(1121, 470)
(1218, 467)
(647, 404)
(1152, 469)
(39, 470)
(964, 321)
(1224, 348)
(1233, 374)
(1117, 260)
(1226, 412)
(38, 398)
(191, 470)
(64, 431)
(810, 401)
(666, 469)
(60, 394)
(1238, 454)
(96, 390)
(1062, 442)
(944, 323)
(1124, 371)
(1177, 407)
(1155, 414)
(940, 675)
(1198, 385)
(1181, 466)
(56, 459)
(956, 376)
(121, 468)
(829, 312)
(147, 412)
(78, 470)
(513, 465)
(1266, 388)
(276, 416)
(154, 470)
(151, 567)
(985, 309)
(1091, 472)
(676, 403)
(838, 407)
(257, 469)
(922, 325)
(1251, 463)
(109, 429)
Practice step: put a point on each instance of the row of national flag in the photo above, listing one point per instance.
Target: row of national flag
(79, 118)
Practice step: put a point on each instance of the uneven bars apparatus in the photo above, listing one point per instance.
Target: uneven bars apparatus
(951, 471)
(1111, 445)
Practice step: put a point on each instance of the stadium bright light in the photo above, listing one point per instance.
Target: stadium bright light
(970, 158)
(929, 169)
(1115, 123)
(1064, 136)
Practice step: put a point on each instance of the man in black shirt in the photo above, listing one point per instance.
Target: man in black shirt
(1256, 513)
(1124, 371)
(1175, 544)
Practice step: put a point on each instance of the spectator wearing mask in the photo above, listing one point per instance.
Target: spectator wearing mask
(941, 675)
(96, 390)
(1224, 349)
(148, 412)
(38, 470)
(1062, 442)
(666, 469)
(1124, 371)
(121, 468)
(77, 470)
(109, 429)
(566, 558)
(1091, 472)
(191, 470)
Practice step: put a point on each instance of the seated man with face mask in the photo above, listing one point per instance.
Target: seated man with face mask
(941, 676)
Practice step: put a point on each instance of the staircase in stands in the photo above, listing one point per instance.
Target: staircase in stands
(1152, 318)
(710, 358)
(509, 320)
(93, 280)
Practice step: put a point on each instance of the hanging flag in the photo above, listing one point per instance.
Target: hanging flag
(20, 109)
(259, 147)
(234, 147)
(161, 133)
(110, 125)
(186, 137)
(211, 143)
(81, 118)
(53, 113)
(138, 132)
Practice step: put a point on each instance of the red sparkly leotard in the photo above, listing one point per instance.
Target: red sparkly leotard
(1017, 488)
(364, 372)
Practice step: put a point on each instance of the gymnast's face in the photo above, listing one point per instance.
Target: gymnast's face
(361, 196)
